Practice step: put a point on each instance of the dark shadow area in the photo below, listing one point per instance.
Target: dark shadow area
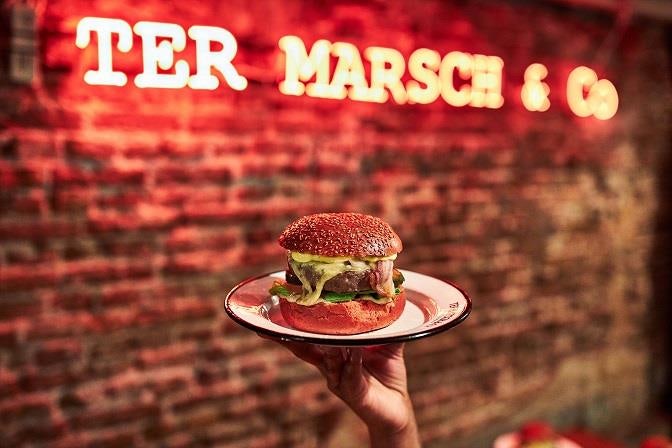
(661, 274)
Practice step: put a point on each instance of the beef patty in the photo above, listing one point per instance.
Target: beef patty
(350, 281)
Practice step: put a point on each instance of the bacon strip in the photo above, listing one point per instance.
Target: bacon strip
(381, 280)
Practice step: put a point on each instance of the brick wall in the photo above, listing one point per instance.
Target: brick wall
(127, 214)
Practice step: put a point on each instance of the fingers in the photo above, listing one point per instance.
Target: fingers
(353, 366)
(388, 349)
(305, 352)
(342, 367)
(332, 366)
(383, 353)
(354, 384)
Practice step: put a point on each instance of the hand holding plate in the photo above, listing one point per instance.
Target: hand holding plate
(372, 382)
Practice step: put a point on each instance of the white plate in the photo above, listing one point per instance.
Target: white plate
(432, 306)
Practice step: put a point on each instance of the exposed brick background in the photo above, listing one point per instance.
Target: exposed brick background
(127, 214)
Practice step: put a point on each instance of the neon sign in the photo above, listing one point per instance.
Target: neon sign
(161, 54)
(458, 78)
(587, 95)
(535, 92)
(387, 69)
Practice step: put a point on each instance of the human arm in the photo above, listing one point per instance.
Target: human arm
(372, 382)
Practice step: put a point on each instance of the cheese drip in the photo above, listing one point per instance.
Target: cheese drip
(327, 271)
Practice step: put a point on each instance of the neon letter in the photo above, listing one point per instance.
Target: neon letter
(602, 99)
(486, 83)
(383, 76)
(579, 79)
(535, 92)
(104, 76)
(423, 65)
(462, 62)
(161, 55)
(221, 60)
(301, 67)
(349, 71)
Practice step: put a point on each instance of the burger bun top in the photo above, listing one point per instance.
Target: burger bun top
(341, 235)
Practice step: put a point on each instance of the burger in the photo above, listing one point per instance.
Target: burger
(340, 276)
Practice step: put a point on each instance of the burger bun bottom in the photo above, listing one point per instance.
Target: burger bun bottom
(352, 317)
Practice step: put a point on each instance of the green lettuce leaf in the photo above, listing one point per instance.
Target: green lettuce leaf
(335, 297)
(278, 289)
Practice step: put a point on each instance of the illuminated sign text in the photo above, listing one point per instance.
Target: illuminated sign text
(535, 92)
(481, 75)
(334, 70)
(161, 54)
(587, 95)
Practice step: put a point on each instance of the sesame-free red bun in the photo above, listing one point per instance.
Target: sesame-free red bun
(341, 234)
(355, 316)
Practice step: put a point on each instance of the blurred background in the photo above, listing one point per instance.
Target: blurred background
(127, 214)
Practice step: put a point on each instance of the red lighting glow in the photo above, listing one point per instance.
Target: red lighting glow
(589, 96)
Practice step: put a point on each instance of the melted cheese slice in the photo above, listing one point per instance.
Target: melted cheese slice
(305, 258)
(327, 271)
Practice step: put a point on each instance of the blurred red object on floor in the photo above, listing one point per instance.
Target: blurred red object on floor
(589, 440)
(536, 431)
(656, 442)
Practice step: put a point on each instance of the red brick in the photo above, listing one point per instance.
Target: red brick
(49, 326)
(21, 305)
(185, 238)
(32, 379)
(74, 198)
(73, 175)
(135, 121)
(44, 433)
(34, 172)
(214, 393)
(119, 439)
(8, 176)
(142, 216)
(36, 406)
(169, 381)
(34, 202)
(104, 269)
(9, 384)
(201, 261)
(125, 172)
(115, 416)
(58, 352)
(75, 300)
(121, 294)
(39, 229)
(80, 148)
(170, 355)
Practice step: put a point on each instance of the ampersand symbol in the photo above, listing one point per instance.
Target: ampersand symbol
(535, 92)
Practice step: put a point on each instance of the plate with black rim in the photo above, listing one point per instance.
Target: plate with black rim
(432, 306)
